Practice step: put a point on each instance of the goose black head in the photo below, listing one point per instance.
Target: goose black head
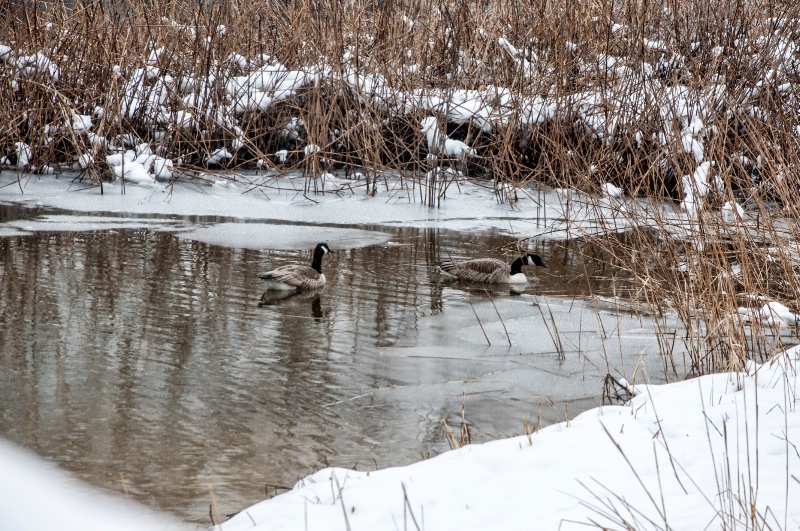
(535, 259)
(321, 249)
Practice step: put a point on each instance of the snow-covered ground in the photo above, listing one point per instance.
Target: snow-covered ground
(35, 495)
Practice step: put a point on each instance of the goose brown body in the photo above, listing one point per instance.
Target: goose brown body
(297, 276)
(491, 270)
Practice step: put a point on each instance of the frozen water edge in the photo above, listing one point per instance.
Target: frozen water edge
(546, 214)
(540, 212)
(657, 462)
(671, 456)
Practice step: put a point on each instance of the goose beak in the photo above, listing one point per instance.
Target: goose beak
(537, 261)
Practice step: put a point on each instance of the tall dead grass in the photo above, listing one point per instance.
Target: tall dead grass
(733, 282)
(555, 52)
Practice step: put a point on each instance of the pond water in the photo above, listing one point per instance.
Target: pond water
(146, 362)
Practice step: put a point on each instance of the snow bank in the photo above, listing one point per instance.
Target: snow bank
(35, 495)
(687, 455)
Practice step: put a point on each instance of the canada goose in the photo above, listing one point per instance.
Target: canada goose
(298, 277)
(491, 269)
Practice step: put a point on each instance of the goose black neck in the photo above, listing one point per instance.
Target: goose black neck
(316, 264)
(516, 266)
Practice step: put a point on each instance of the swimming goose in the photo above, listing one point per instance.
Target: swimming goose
(298, 277)
(491, 269)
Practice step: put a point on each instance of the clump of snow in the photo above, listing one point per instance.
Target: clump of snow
(135, 173)
(24, 154)
(611, 190)
(29, 484)
(776, 309)
(218, 156)
(696, 187)
(293, 128)
(140, 165)
(162, 168)
(732, 211)
(32, 65)
(440, 144)
(81, 123)
(117, 159)
(85, 160)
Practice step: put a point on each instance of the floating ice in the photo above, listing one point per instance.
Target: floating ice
(267, 236)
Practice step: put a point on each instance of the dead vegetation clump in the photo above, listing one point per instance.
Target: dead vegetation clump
(556, 94)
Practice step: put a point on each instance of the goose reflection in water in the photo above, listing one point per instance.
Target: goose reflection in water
(294, 298)
(477, 289)
(485, 291)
